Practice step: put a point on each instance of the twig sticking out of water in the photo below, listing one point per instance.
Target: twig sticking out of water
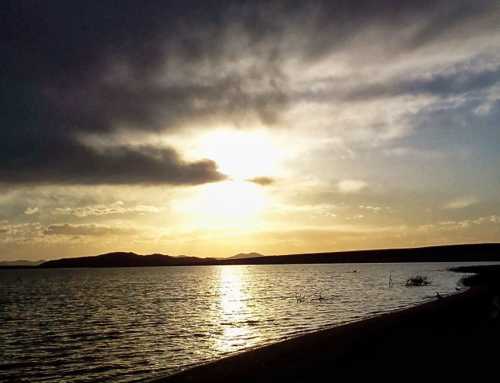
(300, 298)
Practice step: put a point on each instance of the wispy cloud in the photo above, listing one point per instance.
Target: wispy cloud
(31, 210)
(351, 186)
(118, 207)
(461, 203)
(86, 230)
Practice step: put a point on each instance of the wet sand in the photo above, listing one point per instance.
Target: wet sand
(457, 337)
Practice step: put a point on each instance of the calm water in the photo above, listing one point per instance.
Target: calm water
(122, 325)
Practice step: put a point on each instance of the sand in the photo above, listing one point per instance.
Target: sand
(454, 338)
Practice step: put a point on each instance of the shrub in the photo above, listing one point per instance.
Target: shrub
(417, 280)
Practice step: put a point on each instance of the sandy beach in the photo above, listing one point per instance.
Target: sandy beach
(456, 337)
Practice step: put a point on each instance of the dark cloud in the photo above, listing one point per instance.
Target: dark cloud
(70, 70)
(262, 181)
(68, 162)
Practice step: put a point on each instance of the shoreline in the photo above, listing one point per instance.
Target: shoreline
(385, 344)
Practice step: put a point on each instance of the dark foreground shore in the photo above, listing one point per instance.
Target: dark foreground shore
(454, 338)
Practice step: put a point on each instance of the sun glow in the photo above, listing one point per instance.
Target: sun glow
(241, 154)
(239, 201)
(233, 199)
(226, 203)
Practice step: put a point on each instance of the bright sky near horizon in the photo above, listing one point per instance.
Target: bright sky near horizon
(211, 129)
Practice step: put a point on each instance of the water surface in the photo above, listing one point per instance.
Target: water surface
(126, 324)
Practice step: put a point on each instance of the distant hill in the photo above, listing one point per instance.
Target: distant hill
(485, 252)
(245, 255)
(21, 262)
(123, 259)
(452, 253)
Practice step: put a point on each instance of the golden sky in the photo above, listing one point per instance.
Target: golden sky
(266, 128)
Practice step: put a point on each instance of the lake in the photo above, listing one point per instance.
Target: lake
(128, 324)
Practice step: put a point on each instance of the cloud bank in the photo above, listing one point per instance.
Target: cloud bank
(75, 72)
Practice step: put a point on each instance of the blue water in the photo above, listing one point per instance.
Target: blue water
(127, 324)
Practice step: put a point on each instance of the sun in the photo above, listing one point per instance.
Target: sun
(241, 155)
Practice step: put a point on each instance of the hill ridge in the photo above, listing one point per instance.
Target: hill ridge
(445, 253)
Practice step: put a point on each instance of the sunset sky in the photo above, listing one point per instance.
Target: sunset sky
(212, 128)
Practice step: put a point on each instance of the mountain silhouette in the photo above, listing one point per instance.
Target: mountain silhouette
(127, 259)
(487, 252)
(246, 255)
(21, 262)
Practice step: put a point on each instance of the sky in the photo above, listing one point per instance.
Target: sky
(209, 128)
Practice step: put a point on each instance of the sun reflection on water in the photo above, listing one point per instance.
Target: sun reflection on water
(234, 314)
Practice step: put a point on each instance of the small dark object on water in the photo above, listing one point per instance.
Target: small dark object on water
(438, 296)
(300, 298)
(417, 280)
